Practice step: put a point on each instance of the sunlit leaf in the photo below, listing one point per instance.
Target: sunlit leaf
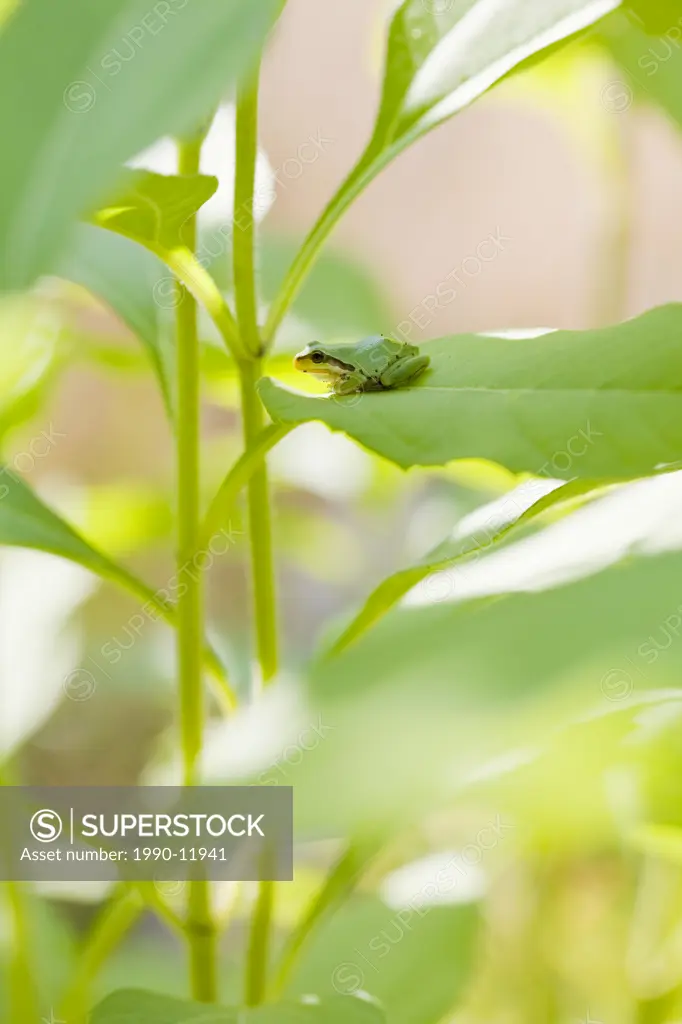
(589, 404)
(101, 83)
(477, 534)
(153, 209)
(442, 55)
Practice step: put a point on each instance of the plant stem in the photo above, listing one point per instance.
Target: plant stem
(245, 214)
(22, 979)
(202, 936)
(240, 474)
(359, 178)
(200, 929)
(258, 958)
(253, 415)
(190, 603)
(260, 530)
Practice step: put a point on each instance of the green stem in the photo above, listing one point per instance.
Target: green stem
(190, 601)
(200, 929)
(245, 214)
(258, 957)
(22, 978)
(202, 936)
(260, 530)
(237, 478)
(359, 178)
(253, 414)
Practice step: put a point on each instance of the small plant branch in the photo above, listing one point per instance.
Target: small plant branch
(357, 181)
(238, 477)
(203, 289)
(200, 931)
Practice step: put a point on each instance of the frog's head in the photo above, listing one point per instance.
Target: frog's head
(317, 360)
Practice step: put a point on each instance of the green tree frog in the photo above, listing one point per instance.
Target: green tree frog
(376, 363)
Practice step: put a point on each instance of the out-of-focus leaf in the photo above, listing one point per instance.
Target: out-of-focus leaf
(657, 16)
(662, 841)
(652, 66)
(474, 536)
(415, 960)
(590, 404)
(26, 522)
(132, 282)
(31, 329)
(101, 84)
(431, 694)
(441, 56)
(138, 1007)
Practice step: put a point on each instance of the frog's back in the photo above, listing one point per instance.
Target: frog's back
(375, 353)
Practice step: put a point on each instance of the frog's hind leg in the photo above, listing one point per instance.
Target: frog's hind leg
(404, 371)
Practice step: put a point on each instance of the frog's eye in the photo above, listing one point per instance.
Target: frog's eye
(317, 357)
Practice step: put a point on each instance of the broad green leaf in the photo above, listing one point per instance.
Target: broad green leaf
(415, 960)
(102, 81)
(153, 208)
(132, 282)
(442, 55)
(474, 536)
(138, 1007)
(432, 693)
(590, 404)
(652, 66)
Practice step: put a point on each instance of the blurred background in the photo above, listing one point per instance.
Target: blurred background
(570, 175)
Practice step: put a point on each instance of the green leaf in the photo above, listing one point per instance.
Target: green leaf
(153, 209)
(590, 404)
(656, 16)
(477, 534)
(138, 1007)
(652, 67)
(102, 82)
(415, 960)
(442, 55)
(434, 692)
(26, 522)
(130, 281)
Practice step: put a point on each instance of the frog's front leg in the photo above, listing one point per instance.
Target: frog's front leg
(350, 384)
(403, 371)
